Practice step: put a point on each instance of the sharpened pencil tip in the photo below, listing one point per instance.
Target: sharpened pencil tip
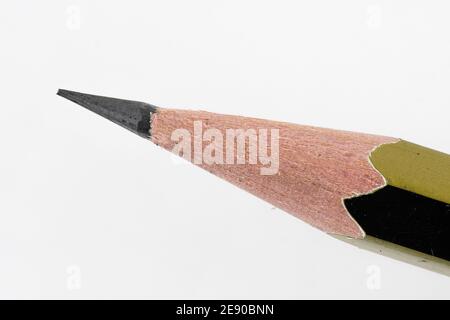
(60, 92)
(132, 115)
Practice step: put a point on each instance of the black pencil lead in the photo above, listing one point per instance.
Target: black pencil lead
(132, 115)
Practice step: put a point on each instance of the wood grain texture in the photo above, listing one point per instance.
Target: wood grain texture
(318, 168)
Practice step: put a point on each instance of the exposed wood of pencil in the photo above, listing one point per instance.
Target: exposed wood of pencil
(318, 167)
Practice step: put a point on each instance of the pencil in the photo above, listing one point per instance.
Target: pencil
(379, 193)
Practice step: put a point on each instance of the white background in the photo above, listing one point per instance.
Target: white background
(89, 210)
